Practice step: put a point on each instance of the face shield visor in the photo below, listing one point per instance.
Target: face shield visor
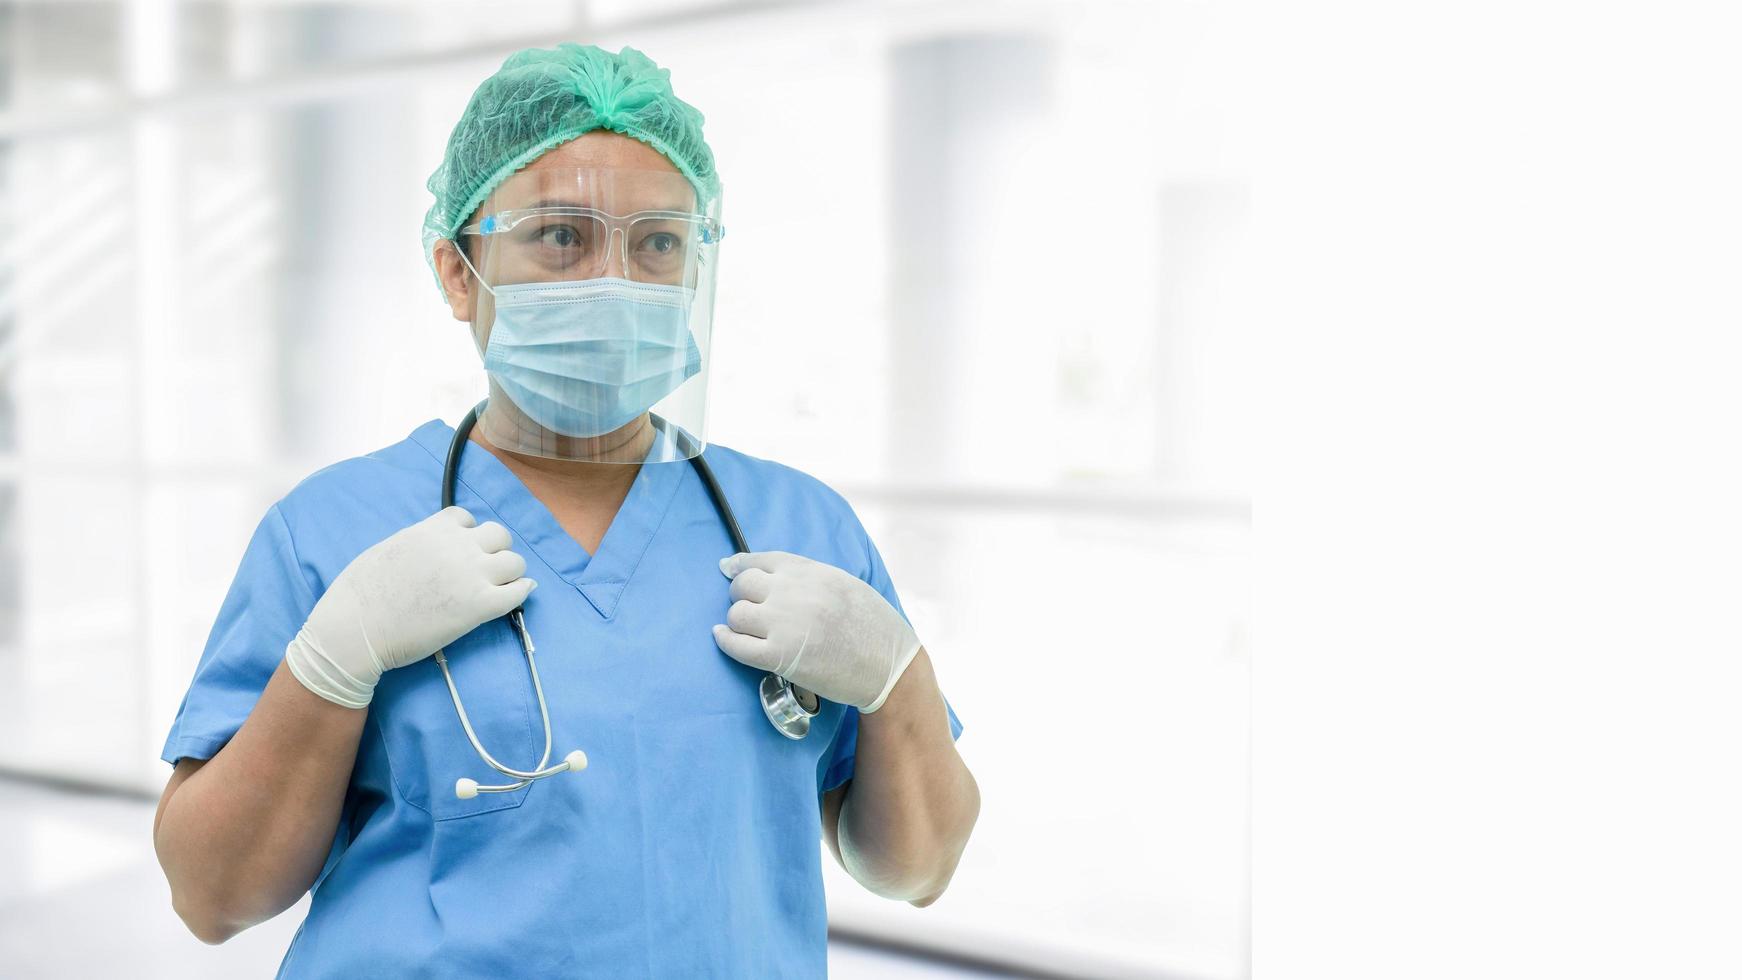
(595, 315)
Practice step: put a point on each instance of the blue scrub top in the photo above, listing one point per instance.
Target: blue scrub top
(690, 846)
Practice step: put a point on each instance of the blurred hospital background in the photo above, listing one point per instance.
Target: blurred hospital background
(983, 275)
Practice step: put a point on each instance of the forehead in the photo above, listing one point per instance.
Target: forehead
(619, 190)
(600, 169)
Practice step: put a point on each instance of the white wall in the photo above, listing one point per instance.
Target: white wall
(983, 274)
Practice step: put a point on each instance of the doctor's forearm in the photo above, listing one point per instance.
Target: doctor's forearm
(912, 802)
(243, 837)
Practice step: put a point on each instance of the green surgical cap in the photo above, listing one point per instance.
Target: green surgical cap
(541, 97)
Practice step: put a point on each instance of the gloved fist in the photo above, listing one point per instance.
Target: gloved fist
(815, 625)
(406, 597)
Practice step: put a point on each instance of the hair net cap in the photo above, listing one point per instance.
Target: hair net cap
(542, 97)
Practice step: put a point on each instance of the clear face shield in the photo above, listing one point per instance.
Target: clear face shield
(595, 313)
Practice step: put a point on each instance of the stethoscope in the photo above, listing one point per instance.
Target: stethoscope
(790, 709)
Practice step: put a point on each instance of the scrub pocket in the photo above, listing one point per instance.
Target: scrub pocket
(428, 750)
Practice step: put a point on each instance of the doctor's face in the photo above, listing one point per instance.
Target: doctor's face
(566, 248)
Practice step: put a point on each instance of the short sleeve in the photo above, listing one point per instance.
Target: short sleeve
(838, 761)
(268, 601)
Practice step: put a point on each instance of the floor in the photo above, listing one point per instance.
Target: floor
(85, 898)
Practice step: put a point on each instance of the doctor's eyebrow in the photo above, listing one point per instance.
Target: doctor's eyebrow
(563, 203)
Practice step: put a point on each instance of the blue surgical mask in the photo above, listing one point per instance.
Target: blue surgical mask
(585, 358)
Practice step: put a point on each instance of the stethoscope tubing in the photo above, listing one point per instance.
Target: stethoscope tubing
(541, 770)
(783, 702)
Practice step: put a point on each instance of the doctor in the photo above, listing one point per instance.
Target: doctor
(576, 229)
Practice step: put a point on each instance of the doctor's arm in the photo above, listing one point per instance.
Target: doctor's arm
(899, 826)
(242, 835)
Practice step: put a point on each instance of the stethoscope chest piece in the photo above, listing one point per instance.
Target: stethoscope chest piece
(785, 708)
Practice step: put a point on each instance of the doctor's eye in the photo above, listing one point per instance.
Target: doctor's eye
(662, 243)
(561, 236)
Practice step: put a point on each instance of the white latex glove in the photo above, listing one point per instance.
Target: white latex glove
(406, 597)
(815, 625)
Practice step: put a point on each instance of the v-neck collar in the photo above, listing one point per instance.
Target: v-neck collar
(600, 577)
